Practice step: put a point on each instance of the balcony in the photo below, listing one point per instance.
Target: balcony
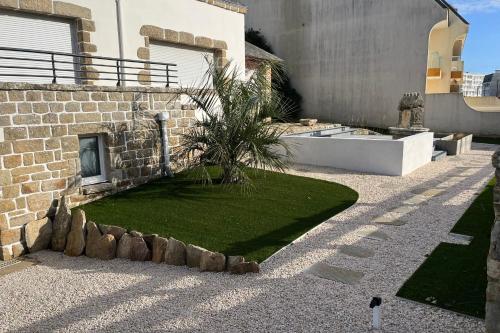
(434, 70)
(34, 66)
(457, 68)
(455, 88)
(434, 73)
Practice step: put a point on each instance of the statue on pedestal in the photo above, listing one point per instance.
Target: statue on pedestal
(411, 115)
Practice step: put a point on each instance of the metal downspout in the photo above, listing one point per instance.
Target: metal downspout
(120, 26)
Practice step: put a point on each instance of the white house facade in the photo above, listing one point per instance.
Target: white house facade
(90, 101)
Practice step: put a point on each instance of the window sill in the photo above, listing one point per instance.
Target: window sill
(97, 188)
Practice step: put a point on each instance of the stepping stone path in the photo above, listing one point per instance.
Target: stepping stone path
(356, 251)
(337, 274)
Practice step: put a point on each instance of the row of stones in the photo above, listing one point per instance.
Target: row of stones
(227, 5)
(75, 236)
(493, 290)
(82, 15)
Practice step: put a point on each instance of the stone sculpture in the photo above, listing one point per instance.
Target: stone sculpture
(411, 115)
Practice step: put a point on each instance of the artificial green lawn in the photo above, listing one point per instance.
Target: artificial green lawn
(454, 276)
(223, 218)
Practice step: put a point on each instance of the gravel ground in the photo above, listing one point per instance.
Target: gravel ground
(86, 295)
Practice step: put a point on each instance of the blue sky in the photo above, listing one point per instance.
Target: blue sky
(482, 47)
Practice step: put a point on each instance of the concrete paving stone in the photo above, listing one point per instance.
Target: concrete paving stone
(338, 274)
(390, 221)
(463, 239)
(356, 251)
(404, 209)
(373, 234)
(416, 200)
(433, 192)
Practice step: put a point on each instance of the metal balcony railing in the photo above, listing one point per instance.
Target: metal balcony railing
(27, 65)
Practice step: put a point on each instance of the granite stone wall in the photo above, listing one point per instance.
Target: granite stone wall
(40, 126)
(493, 291)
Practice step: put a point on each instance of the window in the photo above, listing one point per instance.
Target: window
(192, 63)
(92, 160)
(40, 33)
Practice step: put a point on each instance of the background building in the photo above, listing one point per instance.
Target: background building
(491, 84)
(353, 60)
(88, 100)
(473, 85)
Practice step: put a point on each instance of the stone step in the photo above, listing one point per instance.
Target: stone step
(438, 155)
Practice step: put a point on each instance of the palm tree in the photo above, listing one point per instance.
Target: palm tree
(232, 133)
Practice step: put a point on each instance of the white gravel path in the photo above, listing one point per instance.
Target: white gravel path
(86, 295)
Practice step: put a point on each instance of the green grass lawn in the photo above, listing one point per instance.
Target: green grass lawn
(454, 276)
(223, 218)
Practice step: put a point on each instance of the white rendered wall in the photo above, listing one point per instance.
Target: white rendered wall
(450, 113)
(191, 16)
(386, 157)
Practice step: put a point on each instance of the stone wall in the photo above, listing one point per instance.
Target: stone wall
(493, 291)
(39, 130)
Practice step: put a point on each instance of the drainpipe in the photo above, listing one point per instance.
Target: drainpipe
(163, 118)
(120, 26)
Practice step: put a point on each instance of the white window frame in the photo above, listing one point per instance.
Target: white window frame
(102, 178)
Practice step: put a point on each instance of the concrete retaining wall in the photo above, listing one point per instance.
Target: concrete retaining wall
(450, 113)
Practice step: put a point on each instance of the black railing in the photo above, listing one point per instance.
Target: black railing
(62, 67)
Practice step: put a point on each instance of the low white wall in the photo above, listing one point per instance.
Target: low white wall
(450, 113)
(417, 151)
(386, 157)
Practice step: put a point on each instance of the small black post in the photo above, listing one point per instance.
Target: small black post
(118, 74)
(54, 76)
(168, 77)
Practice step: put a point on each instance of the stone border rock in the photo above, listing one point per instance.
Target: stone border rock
(84, 25)
(155, 33)
(71, 233)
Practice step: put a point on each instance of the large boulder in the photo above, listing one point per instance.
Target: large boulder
(212, 262)
(232, 261)
(135, 233)
(159, 247)
(112, 230)
(61, 226)
(124, 246)
(175, 253)
(149, 239)
(245, 267)
(99, 246)
(38, 234)
(75, 244)
(193, 255)
(139, 250)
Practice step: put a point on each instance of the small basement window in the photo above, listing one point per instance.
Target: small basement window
(92, 164)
